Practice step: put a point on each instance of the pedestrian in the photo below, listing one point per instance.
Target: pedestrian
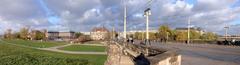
(233, 42)
(186, 42)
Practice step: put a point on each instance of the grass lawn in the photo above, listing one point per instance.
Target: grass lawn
(37, 44)
(93, 42)
(86, 48)
(16, 55)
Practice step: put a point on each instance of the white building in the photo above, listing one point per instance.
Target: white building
(100, 33)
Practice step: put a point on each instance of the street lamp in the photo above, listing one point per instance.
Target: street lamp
(125, 22)
(226, 31)
(147, 13)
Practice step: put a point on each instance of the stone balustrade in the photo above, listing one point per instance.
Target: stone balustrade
(130, 54)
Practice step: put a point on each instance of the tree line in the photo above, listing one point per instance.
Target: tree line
(25, 34)
(165, 33)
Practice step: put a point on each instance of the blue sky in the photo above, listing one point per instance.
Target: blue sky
(50, 15)
(191, 1)
(83, 15)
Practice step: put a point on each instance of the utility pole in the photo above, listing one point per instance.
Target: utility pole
(125, 22)
(189, 23)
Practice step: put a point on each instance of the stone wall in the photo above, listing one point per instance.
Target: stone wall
(167, 58)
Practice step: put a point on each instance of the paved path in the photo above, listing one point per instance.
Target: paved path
(55, 49)
(206, 54)
(72, 52)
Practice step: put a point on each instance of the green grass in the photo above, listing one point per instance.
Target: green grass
(16, 55)
(37, 44)
(93, 42)
(86, 48)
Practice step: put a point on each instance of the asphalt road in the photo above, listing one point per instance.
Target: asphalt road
(205, 54)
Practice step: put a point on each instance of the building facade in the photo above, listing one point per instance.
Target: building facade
(100, 33)
(61, 36)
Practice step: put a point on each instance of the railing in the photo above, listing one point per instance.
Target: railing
(136, 49)
(141, 54)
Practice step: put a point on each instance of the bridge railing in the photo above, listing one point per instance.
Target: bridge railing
(155, 56)
(138, 48)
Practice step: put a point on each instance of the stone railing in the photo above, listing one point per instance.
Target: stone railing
(166, 58)
(130, 54)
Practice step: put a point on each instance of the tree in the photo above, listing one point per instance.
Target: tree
(24, 33)
(78, 34)
(39, 35)
(194, 35)
(16, 35)
(209, 36)
(8, 34)
(152, 36)
(142, 35)
(181, 36)
(139, 35)
(164, 32)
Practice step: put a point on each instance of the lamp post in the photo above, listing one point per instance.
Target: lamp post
(147, 13)
(226, 31)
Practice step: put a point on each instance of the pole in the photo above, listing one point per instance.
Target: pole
(147, 20)
(125, 22)
(147, 12)
(226, 31)
(189, 23)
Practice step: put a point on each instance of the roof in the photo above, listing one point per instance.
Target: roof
(100, 29)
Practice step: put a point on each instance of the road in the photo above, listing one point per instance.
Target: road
(205, 54)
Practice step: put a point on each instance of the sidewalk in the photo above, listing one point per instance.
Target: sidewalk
(55, 49)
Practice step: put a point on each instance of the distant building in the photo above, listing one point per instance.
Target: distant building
(99, 33)
(196, 29)
(86, 33)
(61, 36)
(134, 31)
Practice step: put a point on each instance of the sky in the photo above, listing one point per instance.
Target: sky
(83, 15)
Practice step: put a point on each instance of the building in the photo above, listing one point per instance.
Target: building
(132, 32)
(142, 31)
(61, 36)
(196, 29)
(86, 33)
(99, 33)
